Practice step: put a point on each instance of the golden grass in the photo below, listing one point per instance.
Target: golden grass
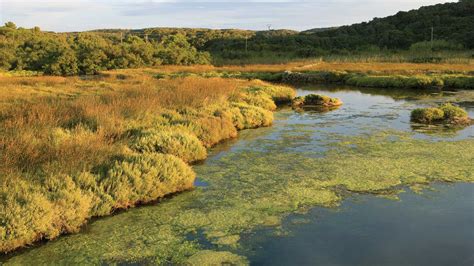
(69, 144)
(382, 67)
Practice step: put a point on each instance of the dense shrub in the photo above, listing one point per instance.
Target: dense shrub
(279, 94)
(34, 209)
(315, 77)
(178, 143)
(395, 81)
(26, 215)
(459, 82)
(260, 99)
(254, 116)
(212, 129)
(90, 52)
(437, 45)
(427, 115)
(452, 112)
(147, 177)
(446, 113)
(316, 100)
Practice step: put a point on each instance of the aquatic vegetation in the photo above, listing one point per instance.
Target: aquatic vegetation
(427, 115)
(447, 114)
(452, 112)
(315, 100)
(210, 257)
(249, 189)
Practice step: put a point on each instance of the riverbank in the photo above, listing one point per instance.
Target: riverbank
(76, 148)
(80, 147)
(304, 161)
(372, 75)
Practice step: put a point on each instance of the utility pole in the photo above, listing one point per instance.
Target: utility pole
(121, 37)
(246, 44)
(432, 37)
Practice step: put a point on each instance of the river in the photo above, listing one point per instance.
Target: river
(359, 185)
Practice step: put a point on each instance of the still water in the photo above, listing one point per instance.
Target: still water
(283, 195)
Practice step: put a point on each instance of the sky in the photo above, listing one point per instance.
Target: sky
(79, 15)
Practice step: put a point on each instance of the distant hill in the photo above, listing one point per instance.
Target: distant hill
(451, 22)
(316, 30)
(90, 52)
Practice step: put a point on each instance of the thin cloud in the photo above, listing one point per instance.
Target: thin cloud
(75, 15)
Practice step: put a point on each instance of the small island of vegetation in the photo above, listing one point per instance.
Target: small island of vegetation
(316, 101)
(447, 114)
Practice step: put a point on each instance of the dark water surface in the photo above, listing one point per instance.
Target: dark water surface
(435, 228)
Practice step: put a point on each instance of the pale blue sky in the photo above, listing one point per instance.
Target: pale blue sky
(76, 15)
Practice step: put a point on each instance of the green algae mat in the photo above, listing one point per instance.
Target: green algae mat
(306, 160)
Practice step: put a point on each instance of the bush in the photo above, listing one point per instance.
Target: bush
(315, 77)
(180, 144)
(316, 100)
(260, 99)
(254, 116)
(31, 210)
(298, 101)
(145, 178)
(452, 112)
(279, 94)
(459, 82)
(212, 129)
(427, 115)
(26, 215)
(438, 45)
(420, 82)
(72, 205)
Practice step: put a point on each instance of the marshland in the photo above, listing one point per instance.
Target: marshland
(177, 146)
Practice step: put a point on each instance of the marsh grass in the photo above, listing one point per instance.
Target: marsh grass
(75, 148)
(232, 206)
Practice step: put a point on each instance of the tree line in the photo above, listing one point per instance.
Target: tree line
(90, 52)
